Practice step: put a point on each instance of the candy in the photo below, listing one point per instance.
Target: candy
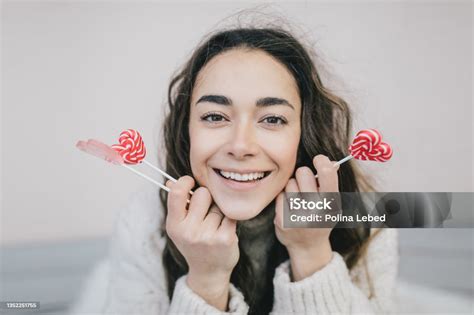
(100, 150)
(131, 147)
(131, 150)
(368, 145)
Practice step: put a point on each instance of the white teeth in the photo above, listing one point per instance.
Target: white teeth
(242, 177)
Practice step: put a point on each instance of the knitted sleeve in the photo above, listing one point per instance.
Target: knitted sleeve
(185, 301)
(368, 288)
(133, 276)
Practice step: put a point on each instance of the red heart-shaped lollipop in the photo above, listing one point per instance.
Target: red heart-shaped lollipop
(131, 147)
(368, 145)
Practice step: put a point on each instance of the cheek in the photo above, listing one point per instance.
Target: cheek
(202, 147)
(283, 151)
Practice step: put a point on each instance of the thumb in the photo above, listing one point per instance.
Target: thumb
(229, 225)
(279, 210)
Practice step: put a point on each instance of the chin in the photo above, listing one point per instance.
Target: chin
(240, 209)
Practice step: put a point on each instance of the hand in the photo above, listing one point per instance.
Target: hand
(309, 248)
(209, 246)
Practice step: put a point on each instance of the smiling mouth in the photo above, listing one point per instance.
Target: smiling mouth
(242, 177)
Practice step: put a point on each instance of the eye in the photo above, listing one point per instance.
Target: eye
(213, 117)
(274, 120)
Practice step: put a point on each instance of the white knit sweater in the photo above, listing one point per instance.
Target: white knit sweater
(132, 280)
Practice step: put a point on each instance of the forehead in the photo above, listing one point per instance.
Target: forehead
(244, 74)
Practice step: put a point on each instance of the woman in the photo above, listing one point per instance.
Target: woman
(249, 119)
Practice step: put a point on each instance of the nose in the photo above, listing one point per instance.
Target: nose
(243, 142)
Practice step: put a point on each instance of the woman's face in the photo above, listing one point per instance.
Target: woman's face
(244, 130)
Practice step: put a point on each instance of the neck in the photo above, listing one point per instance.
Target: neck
(257, 227)
(257, 236)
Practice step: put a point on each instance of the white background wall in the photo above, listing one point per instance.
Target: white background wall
(76, 70)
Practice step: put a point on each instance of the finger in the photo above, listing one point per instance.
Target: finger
(228, 225)
(327, 174)
(305, 179)
(292, 186)
(177, 198)
(199, 205)
(213, 218)
(278, 221)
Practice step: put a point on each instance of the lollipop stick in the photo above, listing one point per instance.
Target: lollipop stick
(160, 171)
(347, 158)
(147, 178)
(151, 180)
(163, 173)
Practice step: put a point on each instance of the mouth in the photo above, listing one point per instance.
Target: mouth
(242, 177)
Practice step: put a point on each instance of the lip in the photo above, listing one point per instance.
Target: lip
(241, 186)
(240, 171)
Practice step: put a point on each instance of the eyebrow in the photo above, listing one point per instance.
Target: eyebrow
(262, 102)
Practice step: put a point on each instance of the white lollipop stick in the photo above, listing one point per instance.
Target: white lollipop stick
(160, 171)
(151, 180)
(163, 173)
(146, 177)
(347, 158)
